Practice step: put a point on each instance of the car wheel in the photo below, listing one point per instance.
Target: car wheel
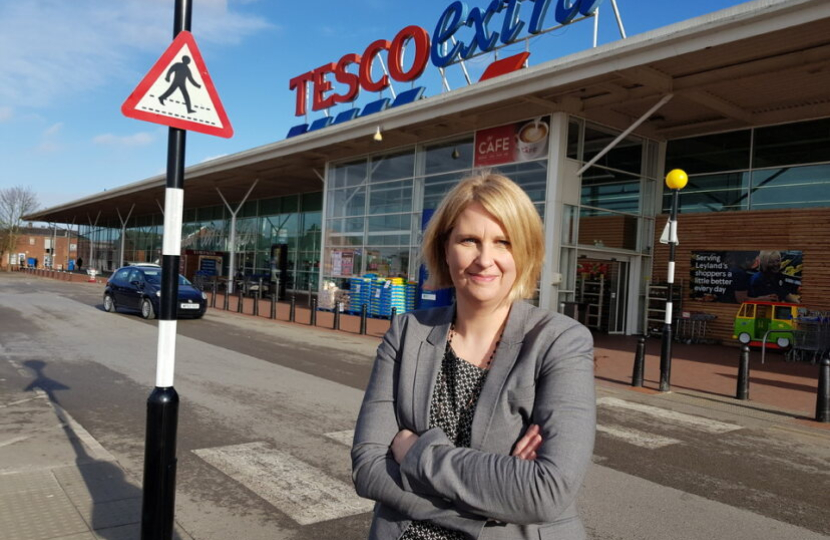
(147, 310)
(109, 303)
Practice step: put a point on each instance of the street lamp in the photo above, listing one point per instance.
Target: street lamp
(675, 180)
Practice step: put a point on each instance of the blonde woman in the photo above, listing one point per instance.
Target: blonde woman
(479, 418)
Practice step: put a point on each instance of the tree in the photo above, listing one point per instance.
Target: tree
(15, 202)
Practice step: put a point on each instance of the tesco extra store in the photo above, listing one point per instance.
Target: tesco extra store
(739, 99)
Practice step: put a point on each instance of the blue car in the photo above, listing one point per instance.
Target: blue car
(138, 287)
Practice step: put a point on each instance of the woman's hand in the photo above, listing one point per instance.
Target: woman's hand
(528, 444)
(401, 444)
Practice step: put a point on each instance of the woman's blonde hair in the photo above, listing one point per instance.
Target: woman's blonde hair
(511, 207)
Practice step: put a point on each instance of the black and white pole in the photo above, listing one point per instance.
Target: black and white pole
(675, 180)
(159, 490)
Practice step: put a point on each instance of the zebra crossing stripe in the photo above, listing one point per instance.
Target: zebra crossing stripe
(343, 437)
(697, 422)
(637, 438)
(303, 492)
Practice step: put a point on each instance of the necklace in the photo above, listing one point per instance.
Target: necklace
(495, 347)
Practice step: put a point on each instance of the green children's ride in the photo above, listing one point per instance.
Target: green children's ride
(772, 323)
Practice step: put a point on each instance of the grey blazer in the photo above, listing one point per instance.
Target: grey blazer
(542, 373)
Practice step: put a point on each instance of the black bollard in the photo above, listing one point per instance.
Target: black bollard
(240, 301)
(213, 295)
(159, 488)
(257, 297)
(394, 312)
(312, 320)
(292, 311)
(639, 363)
(226, 301)
(336, 324)
(309, 294)
(743, 374)
(823, 394)
(363, 320)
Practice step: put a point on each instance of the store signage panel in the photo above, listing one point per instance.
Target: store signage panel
(451, 43)
(523, 141)
(733, 277)
(342, 262)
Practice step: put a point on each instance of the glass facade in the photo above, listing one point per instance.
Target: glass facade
(615, 191)
(773, 167)
(261, 228)
(607, 226)
(377, 206)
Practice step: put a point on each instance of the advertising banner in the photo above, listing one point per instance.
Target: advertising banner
(342, 262)
(523, 141)
(733, 277)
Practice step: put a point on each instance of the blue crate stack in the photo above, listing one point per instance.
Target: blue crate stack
(396, 296)
(361, 290)
(376, 296)
(411, 293)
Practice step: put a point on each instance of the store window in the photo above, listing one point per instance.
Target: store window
(448, 156)
(369, 217)
(791, 187)
(612, 190)
(626, 155)
(791, 144)
(710, 153)
(712, 193)
(349, 174)
(391, 197)
(393, 166)
(784, 166)
(437, 186)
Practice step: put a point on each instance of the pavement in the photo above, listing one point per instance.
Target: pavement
(58, 483)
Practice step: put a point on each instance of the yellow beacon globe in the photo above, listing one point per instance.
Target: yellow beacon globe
(677, 179)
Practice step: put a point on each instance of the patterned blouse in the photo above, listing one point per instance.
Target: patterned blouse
(454, 400)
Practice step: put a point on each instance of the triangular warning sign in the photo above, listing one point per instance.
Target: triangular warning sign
(179, 93)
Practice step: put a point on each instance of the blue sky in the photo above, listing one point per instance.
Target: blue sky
(67, 66)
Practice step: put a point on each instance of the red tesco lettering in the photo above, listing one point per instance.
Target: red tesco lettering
(321, 86)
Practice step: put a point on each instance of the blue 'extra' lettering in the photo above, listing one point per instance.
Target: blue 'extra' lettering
(456, 16)
(566, 10)
(483, 38)
(451, 20)
(511, 26)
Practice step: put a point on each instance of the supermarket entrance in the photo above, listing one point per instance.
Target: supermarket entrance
(602, 291)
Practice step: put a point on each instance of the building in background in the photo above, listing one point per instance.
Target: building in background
(737, 98)
(42, 247)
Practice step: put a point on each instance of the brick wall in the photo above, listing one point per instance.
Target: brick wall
(806, 230)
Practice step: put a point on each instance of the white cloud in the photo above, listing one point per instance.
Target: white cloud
(141, 138)
(6, 114)
(49, 140)
(53, 48)
(53, 130)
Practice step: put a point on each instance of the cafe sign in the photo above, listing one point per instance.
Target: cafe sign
(523, 141)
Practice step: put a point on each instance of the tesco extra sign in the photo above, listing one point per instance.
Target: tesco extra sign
(449, 44)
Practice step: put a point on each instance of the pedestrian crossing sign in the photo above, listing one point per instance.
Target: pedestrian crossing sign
(179, 93)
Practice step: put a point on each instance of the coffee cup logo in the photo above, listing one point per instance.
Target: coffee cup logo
(532, 140)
